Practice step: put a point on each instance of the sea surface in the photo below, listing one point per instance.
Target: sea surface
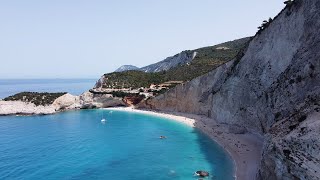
(77, 145)
(10, 87)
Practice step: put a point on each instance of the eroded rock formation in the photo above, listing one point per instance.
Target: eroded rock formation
(86, 100)
(90, 100)
(64, 102)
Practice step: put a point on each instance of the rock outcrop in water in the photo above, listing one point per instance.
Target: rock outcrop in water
(37, 98)
(62, 103)
(19, 107)
(23, 108)
(272, 89)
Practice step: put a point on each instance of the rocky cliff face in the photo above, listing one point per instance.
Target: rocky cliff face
(126, 68)
(274, 90)
(89, 100)
(170, 62)
(64, 102)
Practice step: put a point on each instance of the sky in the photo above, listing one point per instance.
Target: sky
(87, 38)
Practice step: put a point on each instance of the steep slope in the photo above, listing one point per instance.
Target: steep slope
(181, 67)
(182, 58)
(202, 56)
(126, 68)
(273, 90)
(207, 59)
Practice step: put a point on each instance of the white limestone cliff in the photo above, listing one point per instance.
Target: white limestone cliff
(272, 90)
(23, 108)
(62, 103)
(90, 100)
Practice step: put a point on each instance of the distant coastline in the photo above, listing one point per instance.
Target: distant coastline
(10, 87)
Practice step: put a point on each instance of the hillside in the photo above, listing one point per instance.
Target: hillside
(129, 79)
(202, 61)
(272, 91)
(207, 59)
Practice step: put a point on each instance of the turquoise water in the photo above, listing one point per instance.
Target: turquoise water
(10, 87)
(76, 145)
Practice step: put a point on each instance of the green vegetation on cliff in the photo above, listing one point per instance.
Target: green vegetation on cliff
(206, 59)
(35, 97)
(134, 79)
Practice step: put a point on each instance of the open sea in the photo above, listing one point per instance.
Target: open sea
(10, 87)
(76, 145)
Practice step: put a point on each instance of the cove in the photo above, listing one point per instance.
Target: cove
(76, 145)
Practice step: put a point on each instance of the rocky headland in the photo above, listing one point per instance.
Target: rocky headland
(31, 103)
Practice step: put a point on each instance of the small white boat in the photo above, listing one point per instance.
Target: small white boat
(103, 120)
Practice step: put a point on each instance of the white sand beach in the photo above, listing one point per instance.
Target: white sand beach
(245, 149)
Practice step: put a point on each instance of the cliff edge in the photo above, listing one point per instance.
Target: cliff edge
(272, 89)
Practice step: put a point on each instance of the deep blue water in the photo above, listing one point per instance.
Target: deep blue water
(10, 87)
(76, 145)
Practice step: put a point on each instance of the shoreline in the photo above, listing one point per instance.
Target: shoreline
(244, 149)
